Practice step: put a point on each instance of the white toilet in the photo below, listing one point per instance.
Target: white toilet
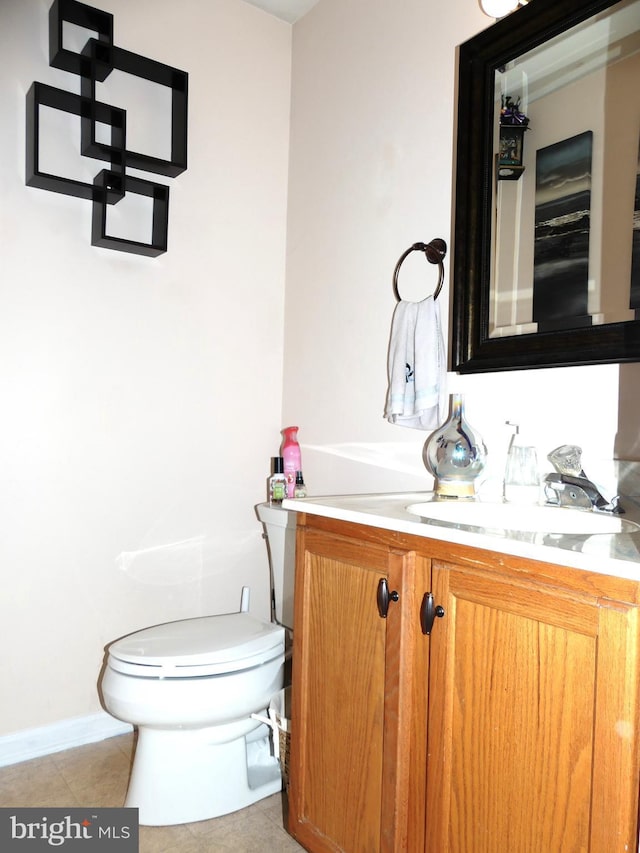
(191, 688)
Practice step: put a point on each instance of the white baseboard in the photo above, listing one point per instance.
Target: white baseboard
(33, 743)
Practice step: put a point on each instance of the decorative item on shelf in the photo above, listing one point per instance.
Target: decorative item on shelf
(455, 454)
(513, 126)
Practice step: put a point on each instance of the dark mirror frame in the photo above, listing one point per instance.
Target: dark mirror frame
(472, 350)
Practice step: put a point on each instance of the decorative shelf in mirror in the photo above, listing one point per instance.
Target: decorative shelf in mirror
(544, 275)
(103, 128)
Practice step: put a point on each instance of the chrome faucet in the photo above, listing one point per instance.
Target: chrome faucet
(570, 486)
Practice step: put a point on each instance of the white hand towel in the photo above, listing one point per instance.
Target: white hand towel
(417, 366)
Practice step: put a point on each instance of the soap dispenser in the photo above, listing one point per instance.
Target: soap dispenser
(521, 475)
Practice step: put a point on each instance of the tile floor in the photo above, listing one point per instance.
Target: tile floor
(97, 774)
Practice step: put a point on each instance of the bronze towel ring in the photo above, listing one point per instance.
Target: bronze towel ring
(434, 252)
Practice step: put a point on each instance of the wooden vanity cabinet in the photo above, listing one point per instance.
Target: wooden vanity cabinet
(512, 727)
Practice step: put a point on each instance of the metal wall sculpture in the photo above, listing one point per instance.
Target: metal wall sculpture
(94, 63)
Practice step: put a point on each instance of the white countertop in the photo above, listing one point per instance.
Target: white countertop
(607, 554)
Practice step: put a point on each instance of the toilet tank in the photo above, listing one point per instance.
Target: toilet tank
(280, 531)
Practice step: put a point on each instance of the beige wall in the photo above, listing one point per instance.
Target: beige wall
(141, 397)
(371, 173)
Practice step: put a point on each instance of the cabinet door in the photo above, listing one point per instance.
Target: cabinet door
(354, 694)
(533, 719)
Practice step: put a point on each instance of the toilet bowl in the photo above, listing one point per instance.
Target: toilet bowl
(191, 688)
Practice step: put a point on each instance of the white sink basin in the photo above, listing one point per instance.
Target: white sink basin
(524, 518)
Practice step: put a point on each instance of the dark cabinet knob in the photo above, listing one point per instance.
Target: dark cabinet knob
(384, 597)
(429, 612)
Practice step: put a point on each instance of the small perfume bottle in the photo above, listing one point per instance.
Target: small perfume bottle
(277, 481)
(300, 490)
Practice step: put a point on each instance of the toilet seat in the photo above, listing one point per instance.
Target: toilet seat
(191, 648)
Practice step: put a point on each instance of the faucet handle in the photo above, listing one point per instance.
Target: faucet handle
(557, 492)
(566, 459)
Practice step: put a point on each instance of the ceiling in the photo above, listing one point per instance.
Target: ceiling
(287, 10)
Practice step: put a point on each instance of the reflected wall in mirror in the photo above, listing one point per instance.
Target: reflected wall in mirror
(547, 233)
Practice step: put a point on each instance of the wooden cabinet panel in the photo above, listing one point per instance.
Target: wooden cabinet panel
(360, 685)
(515, 753)
(338, 697)
(616, 758)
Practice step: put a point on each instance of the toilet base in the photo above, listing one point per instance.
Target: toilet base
(181, 775)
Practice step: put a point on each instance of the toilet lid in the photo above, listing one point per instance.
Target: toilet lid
(208, 645)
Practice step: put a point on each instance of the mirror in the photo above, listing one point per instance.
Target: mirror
(546, 268)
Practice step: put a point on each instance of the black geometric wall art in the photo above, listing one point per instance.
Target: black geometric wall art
(97, 59)
(104, 180)
(562, 228)
(155, 72)
(41, 95)
(94, 20)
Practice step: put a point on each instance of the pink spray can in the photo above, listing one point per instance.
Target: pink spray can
(292, 459)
